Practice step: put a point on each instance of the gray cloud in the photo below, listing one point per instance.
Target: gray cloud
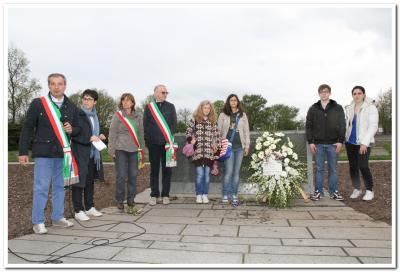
(281, 52)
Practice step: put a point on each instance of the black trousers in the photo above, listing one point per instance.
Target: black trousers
(359, 163)
(87, 191)
(157, 154)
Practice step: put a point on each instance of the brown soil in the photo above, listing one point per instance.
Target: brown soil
(380, 208)
(20, 194)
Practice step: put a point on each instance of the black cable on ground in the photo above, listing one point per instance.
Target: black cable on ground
(94, 243)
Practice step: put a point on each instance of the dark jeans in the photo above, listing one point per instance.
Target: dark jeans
(157, 153)
(87, 191)
(357, 163)
(126, 164)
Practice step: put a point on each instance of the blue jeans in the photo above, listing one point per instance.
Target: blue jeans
(48, 170)
(126, 163)
(202, 180)
(328, 150)
(232, 170)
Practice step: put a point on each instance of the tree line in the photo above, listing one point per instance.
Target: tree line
(22, 89)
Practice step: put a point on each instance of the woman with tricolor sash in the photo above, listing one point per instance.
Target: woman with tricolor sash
(126, 146)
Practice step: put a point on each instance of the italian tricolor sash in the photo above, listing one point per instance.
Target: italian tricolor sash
(70, 168)
(130, 125)
(170, 147)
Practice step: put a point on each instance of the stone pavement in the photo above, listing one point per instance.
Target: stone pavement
(314, 234)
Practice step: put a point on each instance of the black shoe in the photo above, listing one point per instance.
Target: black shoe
(131, 203)
(120, 206)
(336, 196)
(316, 196)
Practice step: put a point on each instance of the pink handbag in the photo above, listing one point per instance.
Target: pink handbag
(188, 150)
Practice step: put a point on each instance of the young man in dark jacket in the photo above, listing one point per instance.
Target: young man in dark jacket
(155, 142)
(325, 129)
(48, 152)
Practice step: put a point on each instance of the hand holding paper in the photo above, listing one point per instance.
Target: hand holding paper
(99, 145)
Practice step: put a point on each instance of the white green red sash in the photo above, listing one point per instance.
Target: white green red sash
(170, 147)
(130, 125)
(70, 168)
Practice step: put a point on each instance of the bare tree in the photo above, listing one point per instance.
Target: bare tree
(184, 115)
(21, 88)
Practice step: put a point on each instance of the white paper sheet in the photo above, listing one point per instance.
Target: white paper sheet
(99, 145)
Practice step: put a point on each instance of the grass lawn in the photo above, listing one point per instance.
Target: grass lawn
(382, 150)
(13, 156)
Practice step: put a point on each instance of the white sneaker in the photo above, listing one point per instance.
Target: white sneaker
(153, 201)
(93, 212)
(205, 199)
(225, 199)
(165, 200)
(39, 228)
(369, 195)
(356, 193)
(81, 216)
(63, 223)
(199, 199)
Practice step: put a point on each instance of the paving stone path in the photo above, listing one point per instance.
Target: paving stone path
(322, 232)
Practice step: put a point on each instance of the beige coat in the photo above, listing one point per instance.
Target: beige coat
(119, 136)
(243, 127)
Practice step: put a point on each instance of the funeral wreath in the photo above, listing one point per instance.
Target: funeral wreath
(276, 169)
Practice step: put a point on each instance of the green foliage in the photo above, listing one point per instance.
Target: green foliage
(218, 106)
(388, 147)
(385, 111)
(254, 106)
(21, 88)
(181, 127)
(106, 106)
(282, 117)
(14, 131)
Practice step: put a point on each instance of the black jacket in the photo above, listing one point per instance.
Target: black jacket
(152, 133)
(325, 126)
(37, 124)
(81, 146)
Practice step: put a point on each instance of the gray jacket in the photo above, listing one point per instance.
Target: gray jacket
(243, 127)
(119, 137)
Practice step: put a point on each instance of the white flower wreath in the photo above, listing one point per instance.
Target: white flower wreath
(280, 187)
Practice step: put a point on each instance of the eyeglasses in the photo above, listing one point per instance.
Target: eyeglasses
(164, 93)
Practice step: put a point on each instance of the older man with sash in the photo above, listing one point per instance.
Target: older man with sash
(52, 119)
(160, 122)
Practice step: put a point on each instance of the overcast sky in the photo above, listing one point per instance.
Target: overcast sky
(283, 52)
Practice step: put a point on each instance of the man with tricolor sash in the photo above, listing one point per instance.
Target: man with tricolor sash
(160, 122)
(51, 120)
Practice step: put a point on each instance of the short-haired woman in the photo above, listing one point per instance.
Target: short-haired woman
(87, 156)
(125, 149)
